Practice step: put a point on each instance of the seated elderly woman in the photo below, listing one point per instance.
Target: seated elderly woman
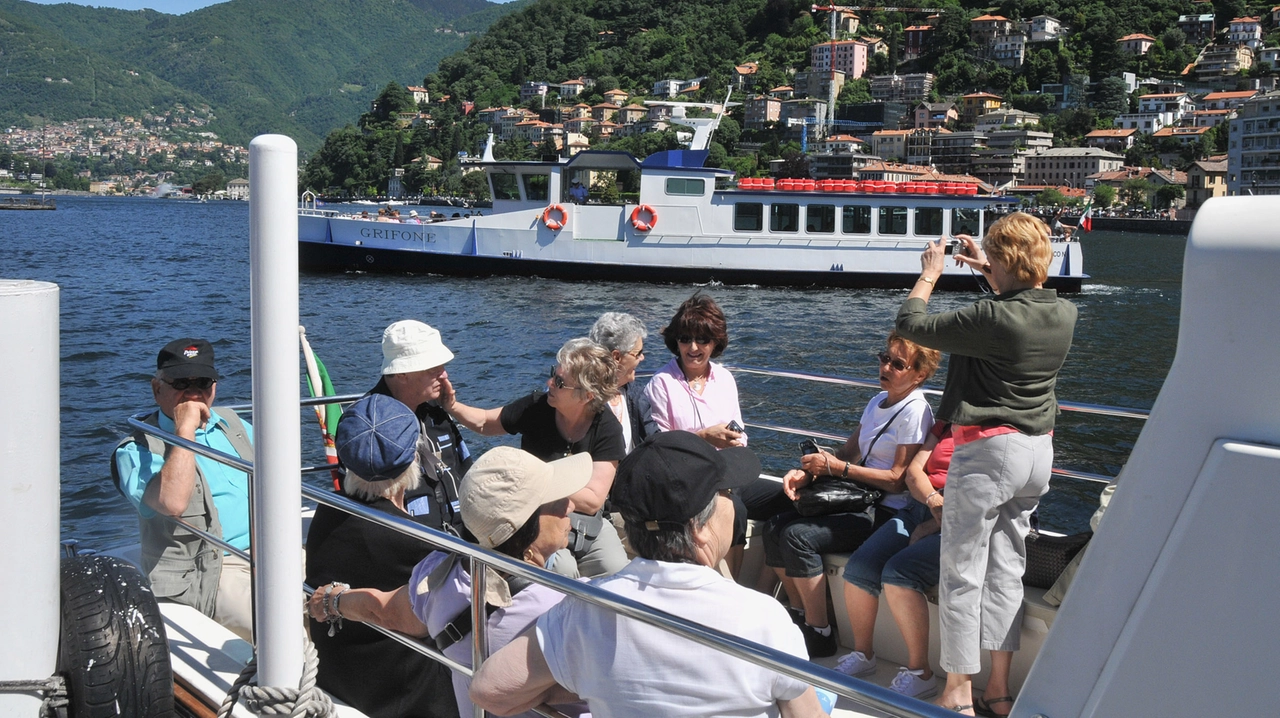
(378, 442)
(512, 503)
(892, 429)
(693, 393)
(901, 559)
(671, 492)
(570, 417)
(623, 335)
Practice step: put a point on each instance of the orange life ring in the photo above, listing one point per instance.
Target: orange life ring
(640, 225)
(552, 224)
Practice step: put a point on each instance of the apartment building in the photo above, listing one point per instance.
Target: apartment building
(1070, 165)
(909, 88)
(1253, 155)
(847, 56)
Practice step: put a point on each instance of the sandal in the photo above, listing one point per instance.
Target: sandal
(982, 706)
(960, 709)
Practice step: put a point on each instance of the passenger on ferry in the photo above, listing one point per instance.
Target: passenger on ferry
(577, 191)
(901, 558)
(892, 429)
(413, 217)
(380, 443)
(1006, 352)
(512, 503)
(413, 359)
(570, 417)
(693, 393)
(672, 492)
(623, 335)
(165, 480)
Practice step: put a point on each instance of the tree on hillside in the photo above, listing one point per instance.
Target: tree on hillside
(1168, 194)
(1134, 192)
(1111, 98)
(393, 99)
(210, 183)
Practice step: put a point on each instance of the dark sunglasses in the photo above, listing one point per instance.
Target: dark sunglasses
(203, 383)
(896, 364)
(555, 379)
(686, 339)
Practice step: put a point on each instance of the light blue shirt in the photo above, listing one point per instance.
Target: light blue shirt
(230, 487)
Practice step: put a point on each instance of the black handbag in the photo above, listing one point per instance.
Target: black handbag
(1048, 556)
(836, 495)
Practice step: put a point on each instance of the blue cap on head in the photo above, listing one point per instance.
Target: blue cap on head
(377, 438)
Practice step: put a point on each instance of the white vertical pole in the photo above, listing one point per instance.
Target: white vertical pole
(277, 494)
(29, 485)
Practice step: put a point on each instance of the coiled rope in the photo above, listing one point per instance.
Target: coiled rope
(54, 689)
(305, 700)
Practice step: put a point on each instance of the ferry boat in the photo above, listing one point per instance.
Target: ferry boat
(688, 223)
(1169, 614)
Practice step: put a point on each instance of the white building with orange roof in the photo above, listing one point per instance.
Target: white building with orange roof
(782, 92)
(1136, 44)
(838, 143)
(1113, 140)
(984, 28)
(1185, 135)
(420, 94)
(572, 88)
(890, 144)
(1245, 31)
(616, 97)
(1226, 100)
(1209, 118)
(1176, 104)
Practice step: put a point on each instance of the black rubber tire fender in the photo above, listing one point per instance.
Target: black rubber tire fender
(113, 650)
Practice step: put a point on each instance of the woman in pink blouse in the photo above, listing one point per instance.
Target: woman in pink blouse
(695, 394)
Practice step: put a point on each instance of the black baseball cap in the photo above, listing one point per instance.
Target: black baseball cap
(186, 358)
(673, 475)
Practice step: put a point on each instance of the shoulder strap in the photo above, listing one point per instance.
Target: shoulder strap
(887, 424)
(153, 444)
(237, 434)
(458, 628)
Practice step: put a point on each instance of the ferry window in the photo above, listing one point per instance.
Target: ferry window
(537, 187)
(857, 219)
(686, 186)
(748, 217)
(784, 218)
(893, 220)
(929, 221)
(966, 221)
(820, 218)
(505, 187)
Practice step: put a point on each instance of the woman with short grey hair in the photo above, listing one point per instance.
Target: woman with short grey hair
(568, 418)
(623, 335)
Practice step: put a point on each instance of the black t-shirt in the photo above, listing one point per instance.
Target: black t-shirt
(535, 421)
(357, 664)
(431, 504)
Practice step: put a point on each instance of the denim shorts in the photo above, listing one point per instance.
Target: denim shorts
(796, 543)
(886, 558)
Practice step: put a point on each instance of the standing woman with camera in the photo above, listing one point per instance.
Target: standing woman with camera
(1006, 351)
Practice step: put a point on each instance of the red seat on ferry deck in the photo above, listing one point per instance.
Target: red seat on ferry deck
(809, 185)
(784, 184)
(766, 183)
(971, 190)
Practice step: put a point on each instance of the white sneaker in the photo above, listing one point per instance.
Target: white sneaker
(856, 664)
(910, 683)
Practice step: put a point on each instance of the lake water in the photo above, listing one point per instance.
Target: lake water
(136, 273)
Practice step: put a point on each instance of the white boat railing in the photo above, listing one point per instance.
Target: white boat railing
(861, 692)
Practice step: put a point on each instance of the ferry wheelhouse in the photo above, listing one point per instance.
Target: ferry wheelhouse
(670, 219)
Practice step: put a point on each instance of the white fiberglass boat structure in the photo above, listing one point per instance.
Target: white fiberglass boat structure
(683, 223)
(1170, 613)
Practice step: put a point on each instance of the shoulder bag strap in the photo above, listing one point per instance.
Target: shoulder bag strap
(863, 461)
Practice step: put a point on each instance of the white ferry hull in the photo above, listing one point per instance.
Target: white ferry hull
(687, 245)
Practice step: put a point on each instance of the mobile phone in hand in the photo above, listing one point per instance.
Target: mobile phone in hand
(809, 446)
(733, 425)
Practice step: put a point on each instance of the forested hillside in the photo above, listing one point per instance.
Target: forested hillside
(300, 67)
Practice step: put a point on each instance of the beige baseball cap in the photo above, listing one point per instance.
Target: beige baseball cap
(410, 345)
(506, 486)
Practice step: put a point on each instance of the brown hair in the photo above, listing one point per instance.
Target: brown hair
(698, 316)
(1020, 243)
(922, 358)
(592, 368)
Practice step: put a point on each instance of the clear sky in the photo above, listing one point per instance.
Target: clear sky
(173, 7)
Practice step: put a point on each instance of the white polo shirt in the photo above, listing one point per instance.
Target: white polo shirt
(624, 668)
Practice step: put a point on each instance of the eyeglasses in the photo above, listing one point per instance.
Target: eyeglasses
(635, 354)
(203, 383)
(686, 339)
(893, 362)
(558, 381)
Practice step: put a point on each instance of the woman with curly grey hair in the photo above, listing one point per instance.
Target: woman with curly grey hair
(623, 335)
(570, 417)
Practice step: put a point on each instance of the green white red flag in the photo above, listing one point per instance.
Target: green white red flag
(327, 415)
(1086, 219)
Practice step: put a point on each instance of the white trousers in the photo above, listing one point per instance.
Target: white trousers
(993, 485)
(234, 609)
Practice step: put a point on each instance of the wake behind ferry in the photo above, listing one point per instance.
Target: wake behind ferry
(688, 223)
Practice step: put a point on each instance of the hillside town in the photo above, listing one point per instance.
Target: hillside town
(129, 155)
(906, 131)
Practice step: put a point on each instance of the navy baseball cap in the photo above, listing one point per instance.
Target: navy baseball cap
(377, 438)
(673, 476)
(186, 358)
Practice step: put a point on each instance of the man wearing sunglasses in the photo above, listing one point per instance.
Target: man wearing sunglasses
(163, 480)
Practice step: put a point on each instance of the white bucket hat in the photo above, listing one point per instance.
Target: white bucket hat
(410, 345)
